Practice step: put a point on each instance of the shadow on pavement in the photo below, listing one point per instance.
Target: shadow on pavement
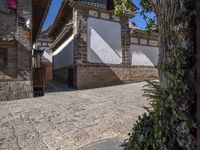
(54, 86)
(108, 144)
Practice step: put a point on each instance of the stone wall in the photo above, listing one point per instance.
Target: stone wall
(82, 13)
(16, 76)
(144, 49)
(12, 90)
(96, 76)
(139, 37)
(8, 21)
(61, 75)
(92, 75)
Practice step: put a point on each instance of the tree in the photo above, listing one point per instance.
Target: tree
(171, 124)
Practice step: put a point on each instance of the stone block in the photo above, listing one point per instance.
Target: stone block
(143, 41)
(153, 43)
(93, 13)
(84, 37)
(134, 40)
(115, 18)
(105, 15)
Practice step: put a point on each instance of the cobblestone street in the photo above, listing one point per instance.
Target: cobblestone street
(70, 120)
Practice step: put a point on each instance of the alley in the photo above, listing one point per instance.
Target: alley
(70, 120)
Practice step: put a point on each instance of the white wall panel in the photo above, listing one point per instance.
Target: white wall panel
(104, 42)
(64, 55)
(144, 55)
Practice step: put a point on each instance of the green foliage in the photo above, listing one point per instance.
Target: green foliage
(160, 128)
(123, 5)
(169, 123)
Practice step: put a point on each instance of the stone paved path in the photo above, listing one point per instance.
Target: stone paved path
(70, 120)
(108, 144)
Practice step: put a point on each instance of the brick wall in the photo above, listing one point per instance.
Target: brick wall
(93, 77)
(48, 71)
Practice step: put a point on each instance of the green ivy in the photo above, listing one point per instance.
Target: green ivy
(168, 123)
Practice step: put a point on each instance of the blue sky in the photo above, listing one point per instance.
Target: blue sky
(56, 5)
(138, 18)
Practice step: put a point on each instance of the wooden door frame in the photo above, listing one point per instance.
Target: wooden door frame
(198, 72)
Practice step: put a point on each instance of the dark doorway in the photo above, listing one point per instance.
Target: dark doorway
(39, 82)
(71, 78)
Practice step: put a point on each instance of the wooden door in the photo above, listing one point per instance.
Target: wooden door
(39, 82)
(71, 77)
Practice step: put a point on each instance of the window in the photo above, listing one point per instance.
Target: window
(3, 53)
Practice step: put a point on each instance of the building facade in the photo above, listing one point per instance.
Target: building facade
(94, 48)
(43, 44)
(18, 30)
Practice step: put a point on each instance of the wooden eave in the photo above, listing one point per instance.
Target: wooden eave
(39, 12)
(65, 34)
(64, 11)
(6, 44)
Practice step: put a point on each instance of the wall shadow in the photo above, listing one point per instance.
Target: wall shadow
(149, 54)
(56, 86)
(118, 52)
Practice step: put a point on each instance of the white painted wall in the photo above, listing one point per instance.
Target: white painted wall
(104, 42)
(48, 56)
(144, 55)
(64, 55)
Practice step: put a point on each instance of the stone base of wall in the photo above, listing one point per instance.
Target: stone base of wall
(13, 90)
(48, 71)
(61, 75)
(94, 77)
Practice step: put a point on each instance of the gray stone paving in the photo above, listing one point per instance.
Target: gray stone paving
(108, 144)
(70, 120)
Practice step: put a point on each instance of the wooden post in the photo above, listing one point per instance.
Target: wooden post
(110, 4)
(198, 72)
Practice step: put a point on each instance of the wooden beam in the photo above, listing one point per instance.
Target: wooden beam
(6, 44)
(110, 4)
(39, 12)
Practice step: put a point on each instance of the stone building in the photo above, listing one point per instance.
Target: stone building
(43, 44)
(20, 23)
(94, 48)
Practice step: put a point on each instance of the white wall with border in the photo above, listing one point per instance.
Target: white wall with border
(64, 55)
(144, 55)
(104, 42)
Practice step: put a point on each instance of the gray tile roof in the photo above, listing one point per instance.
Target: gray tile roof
(101, 6)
